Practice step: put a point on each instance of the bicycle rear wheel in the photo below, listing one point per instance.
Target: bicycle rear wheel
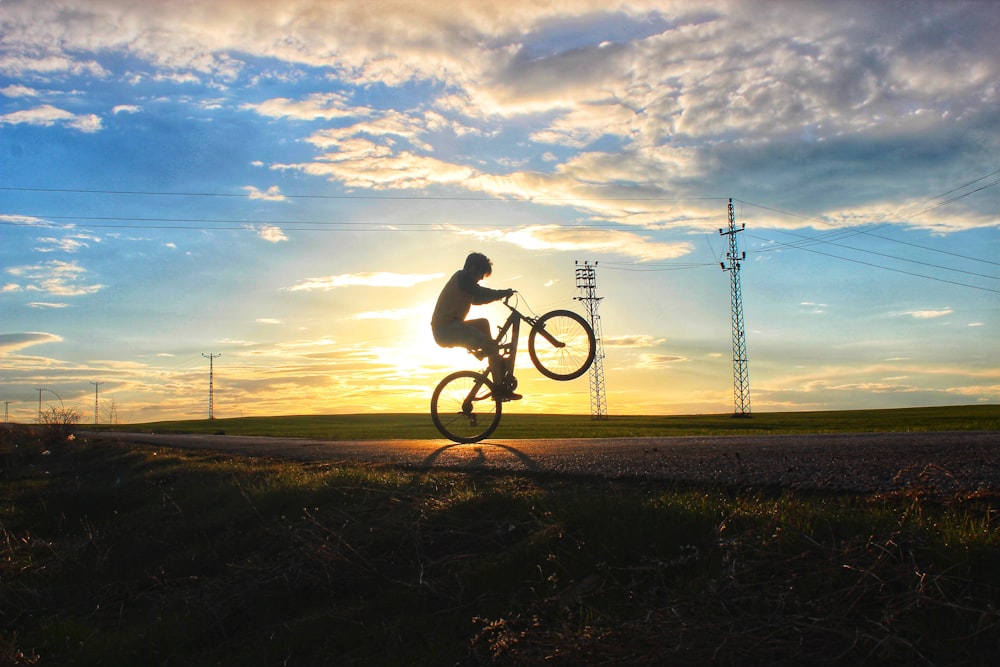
(562, 345)
(464, 408)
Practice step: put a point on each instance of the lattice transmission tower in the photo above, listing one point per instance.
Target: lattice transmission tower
(741, 372)
(586, 282)
(211, 383)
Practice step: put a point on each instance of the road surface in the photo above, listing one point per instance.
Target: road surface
(864, 462)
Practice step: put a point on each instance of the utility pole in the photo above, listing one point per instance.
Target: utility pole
(741, 373)
(586, 282)
(96, 385)
(5, 404)
(211, 383)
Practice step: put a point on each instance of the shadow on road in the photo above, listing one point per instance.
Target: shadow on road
(475, 455)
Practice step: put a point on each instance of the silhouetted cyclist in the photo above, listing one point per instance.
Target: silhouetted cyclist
(451, 329)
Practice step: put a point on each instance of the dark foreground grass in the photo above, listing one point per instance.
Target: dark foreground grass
(515, 425)
(114, 554)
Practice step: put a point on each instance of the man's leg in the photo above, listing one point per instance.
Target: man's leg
(498, 367)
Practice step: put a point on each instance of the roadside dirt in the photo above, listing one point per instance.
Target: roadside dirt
(947, 462)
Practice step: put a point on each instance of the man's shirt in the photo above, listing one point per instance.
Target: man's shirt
(460, 293)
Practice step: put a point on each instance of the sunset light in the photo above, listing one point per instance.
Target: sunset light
(254, 180)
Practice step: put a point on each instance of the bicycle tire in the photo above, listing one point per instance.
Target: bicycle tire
(465, 426)
(579, 345)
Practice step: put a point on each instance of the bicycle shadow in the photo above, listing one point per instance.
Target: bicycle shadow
(477, 458)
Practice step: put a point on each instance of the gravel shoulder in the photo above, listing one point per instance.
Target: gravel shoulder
(954, 461)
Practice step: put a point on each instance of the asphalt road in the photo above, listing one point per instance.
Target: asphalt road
(864, 462)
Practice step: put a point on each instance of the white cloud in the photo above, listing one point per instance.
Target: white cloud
(269, 233)
(22, 220)
(405, 171)
(126, 108)
(55, 277)
(272, 234)
(67, 244)
(17, 90)
(317, 105)
(586, 239)
(376, 279)
(638, 340)
(273, 193)
(929, 314)
(45, 305)
(16, 341)
(397, 314)
(48, 115)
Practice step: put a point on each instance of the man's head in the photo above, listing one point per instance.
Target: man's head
(479, 264)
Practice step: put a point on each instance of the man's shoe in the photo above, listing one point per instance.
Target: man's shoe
(506, 395)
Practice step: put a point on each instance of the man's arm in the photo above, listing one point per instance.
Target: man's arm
(479, 293)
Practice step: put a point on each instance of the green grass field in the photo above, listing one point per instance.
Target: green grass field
(113, 553)
(515, 425)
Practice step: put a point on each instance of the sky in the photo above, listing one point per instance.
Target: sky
(280, 190)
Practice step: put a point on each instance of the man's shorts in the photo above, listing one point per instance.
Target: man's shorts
(460, 334)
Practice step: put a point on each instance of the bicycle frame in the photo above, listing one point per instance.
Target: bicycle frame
(512, 325)
(462, 404)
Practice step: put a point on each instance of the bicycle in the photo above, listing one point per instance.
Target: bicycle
(561, 344)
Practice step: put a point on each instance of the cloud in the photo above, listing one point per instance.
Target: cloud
(634, 341)
(46, 305)
(273, 193)
(688, 104)
(126, 108)
(658, 360)
(17, 341)
(586, 239)
(67, 244)
(48, 115)
(368, 165)
(397, 314)
(17, 90)
(376, 279)
(326, 106)
(271, 233)
(814, 308)
(54, 277)
(929, 314)
(22, 220)
(268, 320)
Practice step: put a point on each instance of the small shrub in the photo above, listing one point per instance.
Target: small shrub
(58, 425)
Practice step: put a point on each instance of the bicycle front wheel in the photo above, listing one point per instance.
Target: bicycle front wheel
(562, 345)
(464, 408)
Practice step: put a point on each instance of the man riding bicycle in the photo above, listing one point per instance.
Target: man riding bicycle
(451, 329)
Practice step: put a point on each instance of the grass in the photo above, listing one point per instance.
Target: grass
(113, 553)
(515, 425)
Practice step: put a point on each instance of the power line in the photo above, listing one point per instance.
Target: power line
(855, 231)
(221, 224)
(908, 273)
(873, 252)
(244, 195)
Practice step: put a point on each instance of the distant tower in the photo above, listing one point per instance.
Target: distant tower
(741, 373)
(586, 282)
(211, 384)
(96, 386)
